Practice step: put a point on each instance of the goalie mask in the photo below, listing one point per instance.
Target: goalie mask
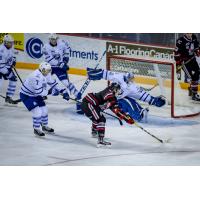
(53, 37)
(128, 77)
(8, 41)
(45, 68)
(115, 88)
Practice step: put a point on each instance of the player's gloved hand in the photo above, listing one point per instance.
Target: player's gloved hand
(55, 92)
(94, 74)
(64, 66)
(13, 62)
(128, 119)
(79, 96)
(197, 52)
(157, 101)
(65, 60)
(66, 96)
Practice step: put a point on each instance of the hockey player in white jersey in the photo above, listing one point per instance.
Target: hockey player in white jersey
(129, 92)
(56, 53)
(34, 88)
(7, 62)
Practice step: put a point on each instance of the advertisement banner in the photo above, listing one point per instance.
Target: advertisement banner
(18, 40)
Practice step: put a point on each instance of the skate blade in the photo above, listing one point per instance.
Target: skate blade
(103, 145)
(49, 133)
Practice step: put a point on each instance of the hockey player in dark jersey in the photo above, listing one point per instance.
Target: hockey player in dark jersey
(94, 103)
(187, 49)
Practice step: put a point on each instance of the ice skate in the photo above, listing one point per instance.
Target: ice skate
(102, 143)
(38, 132)
(47, 130)
(196, 97)
(10, 102)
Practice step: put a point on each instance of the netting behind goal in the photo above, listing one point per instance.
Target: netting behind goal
(161, 76)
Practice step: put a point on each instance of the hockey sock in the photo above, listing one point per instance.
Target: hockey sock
(44, 118)
(11, 88)
(36, 115)
(72, 89)
(194, 87)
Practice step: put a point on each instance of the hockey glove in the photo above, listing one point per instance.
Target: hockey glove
(197, 52)
(79, 96)
(55, 92)
(94, 74)
(128, 119)
(66, 96)
(65, 60)
(13, 61)
(64, 66)
(157, 101)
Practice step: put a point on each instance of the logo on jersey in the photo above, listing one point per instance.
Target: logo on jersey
(34, 48)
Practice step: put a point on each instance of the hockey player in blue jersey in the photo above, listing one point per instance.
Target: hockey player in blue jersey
(130, 92)
(56, 53)
(33, 89)
(7, 62)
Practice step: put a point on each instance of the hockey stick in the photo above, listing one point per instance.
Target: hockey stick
(85, 85)
(161, 141)
(15, 101)
(149, 89)
(120, 121)
(17, 75)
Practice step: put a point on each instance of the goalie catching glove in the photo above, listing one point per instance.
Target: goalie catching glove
(94, 74)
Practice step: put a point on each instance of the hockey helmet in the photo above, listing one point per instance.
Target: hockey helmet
(128, 77)
(115, 87)
(53, 37)
(8, 41)
(45, 68)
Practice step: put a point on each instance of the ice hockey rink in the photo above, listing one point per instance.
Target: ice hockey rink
(72, 145)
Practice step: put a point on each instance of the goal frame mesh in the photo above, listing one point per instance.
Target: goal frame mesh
(154, 61)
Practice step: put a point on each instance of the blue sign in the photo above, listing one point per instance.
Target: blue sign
(34, 48)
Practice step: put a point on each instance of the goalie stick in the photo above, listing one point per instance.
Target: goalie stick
(85, 85)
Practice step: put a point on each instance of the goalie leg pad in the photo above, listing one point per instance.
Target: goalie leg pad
(133, 108)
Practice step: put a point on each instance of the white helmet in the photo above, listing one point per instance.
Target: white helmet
(53, 36)
(8, 41)
(53, 39)
(8, 38)
(45, 68)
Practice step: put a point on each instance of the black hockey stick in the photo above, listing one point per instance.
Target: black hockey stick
(17, 75)
(120, 121)
(85, 85)
(149, 89)
(15, 101)
(161, 141)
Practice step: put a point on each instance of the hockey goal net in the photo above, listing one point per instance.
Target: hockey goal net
(160, 78)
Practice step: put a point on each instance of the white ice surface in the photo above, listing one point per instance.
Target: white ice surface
(73, 145)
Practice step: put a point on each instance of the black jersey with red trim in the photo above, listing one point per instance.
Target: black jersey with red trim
(104, 97)
(185, 47)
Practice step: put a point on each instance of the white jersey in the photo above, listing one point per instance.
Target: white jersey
(54, 54)
(37, 85)
(127, 89)
(6, 58)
